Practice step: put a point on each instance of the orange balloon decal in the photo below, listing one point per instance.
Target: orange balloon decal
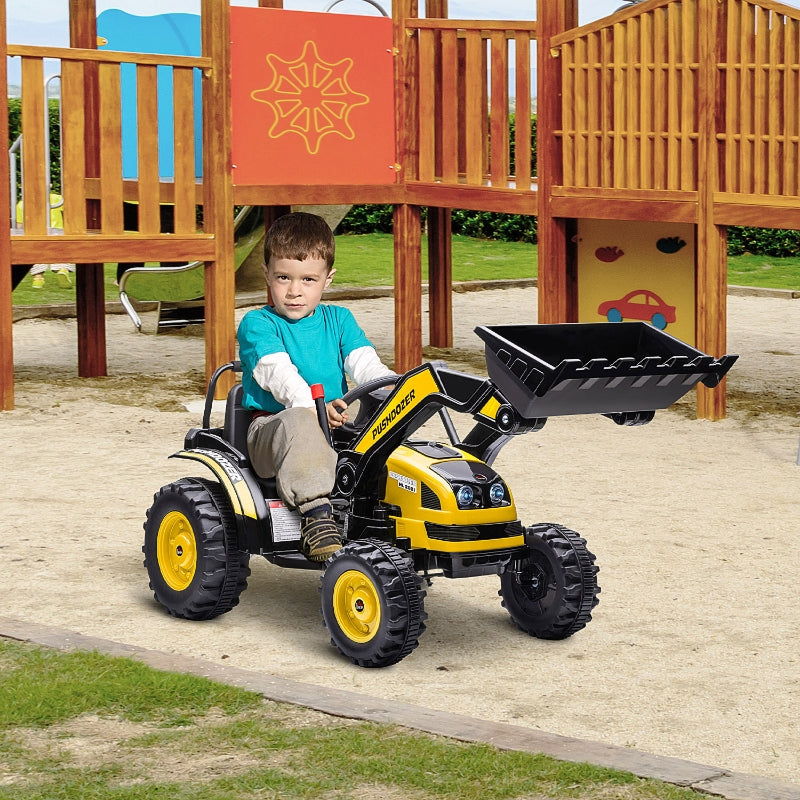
(310, 97)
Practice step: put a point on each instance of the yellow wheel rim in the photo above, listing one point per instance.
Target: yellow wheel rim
(177, 551)
(357, 606)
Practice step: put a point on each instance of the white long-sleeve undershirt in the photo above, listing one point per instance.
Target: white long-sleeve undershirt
(275, 373)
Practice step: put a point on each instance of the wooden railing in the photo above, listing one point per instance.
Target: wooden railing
(91, 156)
(471, 76)
(633, 95)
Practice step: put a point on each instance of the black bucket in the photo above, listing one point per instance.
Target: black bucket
(594, 367)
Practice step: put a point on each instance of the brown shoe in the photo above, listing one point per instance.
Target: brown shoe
(320, 538)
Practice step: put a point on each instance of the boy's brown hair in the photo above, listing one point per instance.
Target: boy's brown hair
(299, 236)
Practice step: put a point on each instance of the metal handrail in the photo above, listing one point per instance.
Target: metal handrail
(123, 295)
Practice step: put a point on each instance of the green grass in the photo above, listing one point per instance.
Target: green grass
(368, 260)
(84, 726)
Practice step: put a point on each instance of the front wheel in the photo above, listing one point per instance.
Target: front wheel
(191, 550)
(372, 603)
(550, 593)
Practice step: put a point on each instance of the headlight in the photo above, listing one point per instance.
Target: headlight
(465, 496)
(497, 493)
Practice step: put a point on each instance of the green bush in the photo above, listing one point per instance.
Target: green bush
(775, 242)
(54, 121)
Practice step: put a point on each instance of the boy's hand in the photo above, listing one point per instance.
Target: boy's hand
(337, 415)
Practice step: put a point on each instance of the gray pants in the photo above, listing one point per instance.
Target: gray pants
(291, 447)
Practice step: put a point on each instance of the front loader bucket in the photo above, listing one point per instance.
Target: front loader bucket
(594, 367)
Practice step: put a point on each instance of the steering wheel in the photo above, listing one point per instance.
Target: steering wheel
(369, 386)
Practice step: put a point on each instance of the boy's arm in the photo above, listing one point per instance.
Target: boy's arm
(363, 364)
(275, 373)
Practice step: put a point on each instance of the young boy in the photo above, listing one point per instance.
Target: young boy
(284, 349)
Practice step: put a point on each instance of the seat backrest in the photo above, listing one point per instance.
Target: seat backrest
(237, 419)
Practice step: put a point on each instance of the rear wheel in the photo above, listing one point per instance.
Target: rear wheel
(372, 603)
(551, 592)
(191, 550)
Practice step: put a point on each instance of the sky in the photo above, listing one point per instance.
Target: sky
(29, 15)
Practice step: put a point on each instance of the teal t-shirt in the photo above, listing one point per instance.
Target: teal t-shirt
(317, 345)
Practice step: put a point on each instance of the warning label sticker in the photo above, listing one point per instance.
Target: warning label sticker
(285, 522)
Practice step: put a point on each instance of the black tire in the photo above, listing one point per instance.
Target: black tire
(372, 603)
(191, 550)
(550, 593)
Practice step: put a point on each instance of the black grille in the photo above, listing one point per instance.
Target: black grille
(429, 498)
(472, 533)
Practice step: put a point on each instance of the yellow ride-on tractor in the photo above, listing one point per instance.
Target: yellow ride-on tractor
(411, 509)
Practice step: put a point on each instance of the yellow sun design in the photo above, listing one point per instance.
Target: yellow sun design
(310, 97)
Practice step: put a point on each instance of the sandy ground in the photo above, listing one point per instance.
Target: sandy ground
(692, 651)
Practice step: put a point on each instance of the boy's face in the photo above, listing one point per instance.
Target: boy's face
(296, 287)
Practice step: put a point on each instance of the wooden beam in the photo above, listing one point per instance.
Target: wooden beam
(90, 279)
(557, 292)
(220, 291)
(440, 277)
(711, 251)
(407, 287)
(6, 312)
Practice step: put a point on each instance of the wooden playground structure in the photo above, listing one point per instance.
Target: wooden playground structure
(677, 110)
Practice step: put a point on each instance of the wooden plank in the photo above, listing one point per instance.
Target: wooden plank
(601, 207)
(594, 88)
(106, 56)
(498, 134)
(633, 93)
(73, 142)
(502, 26)
(427, 105)
(148, 195)
(760, 110)
(102, 248)
(688, 116)
(522, 114)
(659, 109)
(578, 112)
(673, 97)
(607, 122)
(449, 106)
(619, 102)
(111, 148)
(569, 144)
(475, 141)
(729, 179)
(791, 117)
(647, 102)
(184, 105)
(35, 151)
(746, 56)
(775, 110)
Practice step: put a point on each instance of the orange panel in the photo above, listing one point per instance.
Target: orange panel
(313, 98)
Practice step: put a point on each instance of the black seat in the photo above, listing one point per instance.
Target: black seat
(237, 420)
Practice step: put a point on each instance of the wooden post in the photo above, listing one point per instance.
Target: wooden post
(407, 218)
(90, 300)
(220, 289)
(557, 286)
(6, 311)
(407, 288)
(440, 277)
(440, 249)
(711, 251)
